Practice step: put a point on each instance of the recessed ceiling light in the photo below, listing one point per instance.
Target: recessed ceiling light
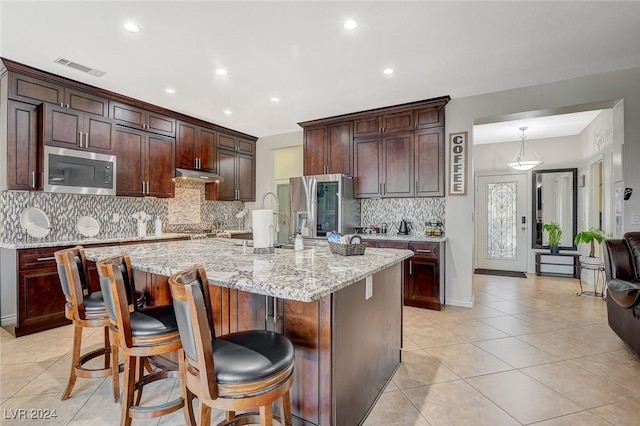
(227, 112)
(275, 99)
(388, 71)
(170, 91)
(221, 71)
(350, 24)
(130, 26)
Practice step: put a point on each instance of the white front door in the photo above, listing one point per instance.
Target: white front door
(502, 224)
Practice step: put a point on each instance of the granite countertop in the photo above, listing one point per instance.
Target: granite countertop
(396, 237)
(42, 243)
(304, 276)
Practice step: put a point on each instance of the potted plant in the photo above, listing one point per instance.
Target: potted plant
(555, 234)
(590, 237)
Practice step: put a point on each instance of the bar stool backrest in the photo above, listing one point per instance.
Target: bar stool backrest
(116, 297)
(72, 265)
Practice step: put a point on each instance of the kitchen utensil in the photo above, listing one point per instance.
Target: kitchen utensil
(35, 222)
(405, 227)
(87, 226)
(383, 228)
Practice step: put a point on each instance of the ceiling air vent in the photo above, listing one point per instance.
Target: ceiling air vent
(67, 63)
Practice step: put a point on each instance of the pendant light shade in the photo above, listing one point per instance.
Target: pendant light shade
(525, 160)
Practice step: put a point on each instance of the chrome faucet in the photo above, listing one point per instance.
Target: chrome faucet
(276, 213)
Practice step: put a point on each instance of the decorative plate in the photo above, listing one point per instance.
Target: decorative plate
(88, 226)
(35, 222)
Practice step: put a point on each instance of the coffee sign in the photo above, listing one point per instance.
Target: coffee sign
(458, 163)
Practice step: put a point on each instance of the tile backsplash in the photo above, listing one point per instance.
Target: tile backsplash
(64, 210)
(391, 211)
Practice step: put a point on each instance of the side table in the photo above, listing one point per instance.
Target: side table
(598, 272)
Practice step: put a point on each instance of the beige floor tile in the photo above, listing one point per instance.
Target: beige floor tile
(50, 404)
(624, 413)
(472, 331)
(391, 387)
(456, 403)
(408, 344)
(509, 307)
(516, 352)
(418, 368)
(524, 398)
(431, 336)
(582, 418)
(509, 324)
(598, 336)
(557, 344)
(586, 388)
(482, 297)
(14, 377)
(622, 367)
(394, 409)
(467, 360)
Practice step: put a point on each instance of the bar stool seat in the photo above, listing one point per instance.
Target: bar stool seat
(153, 321)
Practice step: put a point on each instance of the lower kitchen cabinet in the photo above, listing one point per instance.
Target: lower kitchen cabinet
(423, 286)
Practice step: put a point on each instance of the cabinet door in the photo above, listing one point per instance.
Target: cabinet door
(129, 148)
(34, 91)
(422, 282)
(186, 136)
(314, 151)
(127, 115)
(340, 148)
(429, 117)
(245, 146)
(247, 311)
(397, 164)
(41, 301)
(226, 141)
(366, 167)
(160, 166)
(207, 142)
(367, 126)
(161, 124)
(398, 122)
(22, 146)
(98, 133)
(62, 126)
(227, 169)
(429, 162)
(245, 182)
(86, 102)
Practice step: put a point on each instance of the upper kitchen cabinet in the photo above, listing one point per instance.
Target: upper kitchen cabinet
(22, 147)
(195, 147)
(35, 91)
(383, 166)
(68, 128)
(429, 162)
(395, 151)
(145, 163)
(329, 149)
(236, 144)
(138, 118)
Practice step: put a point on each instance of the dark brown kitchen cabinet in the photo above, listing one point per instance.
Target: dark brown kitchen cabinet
(251, 311)
(139, 118)
(238, 171)
(233, 143)
(329, 149)
(429, 162)
(195, 147)
(35, 91)
(422, 277)
(146, 163)
(383, 166)
(22, 147)
(393, 122)
(426, 118)
(68, 128)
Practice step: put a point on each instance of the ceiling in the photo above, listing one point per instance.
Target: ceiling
(300, 53)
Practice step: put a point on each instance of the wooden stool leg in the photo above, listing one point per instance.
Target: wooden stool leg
(230, 415)
(142, 361)
(266, 415)
(129, 386)
(284, 403)
(205, 414)
(107, 344)
(75, 361)
(187, 395)
(115, 372)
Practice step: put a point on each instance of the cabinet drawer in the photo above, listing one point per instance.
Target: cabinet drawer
(425, 249)
(37, 258)
(387, 244)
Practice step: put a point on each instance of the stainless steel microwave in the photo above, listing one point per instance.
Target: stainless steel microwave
(79, 172)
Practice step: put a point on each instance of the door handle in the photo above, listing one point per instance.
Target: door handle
(86, 139)
(266, 308)
(80, 133)
(275, 310)
(410, 267)
(33, 179)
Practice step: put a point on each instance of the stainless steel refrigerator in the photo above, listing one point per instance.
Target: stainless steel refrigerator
(322, 203)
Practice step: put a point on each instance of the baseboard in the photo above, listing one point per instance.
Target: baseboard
(462, 303)
(8, 320)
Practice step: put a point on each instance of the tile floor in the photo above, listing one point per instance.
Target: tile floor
(529, 352)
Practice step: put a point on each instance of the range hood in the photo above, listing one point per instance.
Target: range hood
(197, 176)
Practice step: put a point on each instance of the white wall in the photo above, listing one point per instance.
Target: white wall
(460, 115)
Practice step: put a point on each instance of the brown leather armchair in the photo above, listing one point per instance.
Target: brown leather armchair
(622, 269)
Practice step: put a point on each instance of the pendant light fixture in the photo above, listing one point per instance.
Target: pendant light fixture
(523, 162)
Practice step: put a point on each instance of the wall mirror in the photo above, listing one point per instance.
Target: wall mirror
(555, 200)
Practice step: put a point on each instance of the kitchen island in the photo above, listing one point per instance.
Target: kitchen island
(343, 314)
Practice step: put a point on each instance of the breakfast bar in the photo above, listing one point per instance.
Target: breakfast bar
(342, 313)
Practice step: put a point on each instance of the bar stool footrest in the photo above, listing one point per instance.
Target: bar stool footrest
(148, 412)
(249, 418)
(92, 373)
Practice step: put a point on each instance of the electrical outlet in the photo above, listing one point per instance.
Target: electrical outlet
(115, 217)
(368, 282)
(635, 219)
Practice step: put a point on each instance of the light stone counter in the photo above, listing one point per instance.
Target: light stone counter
(43, 243)
(303, 276)
(395, 237)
